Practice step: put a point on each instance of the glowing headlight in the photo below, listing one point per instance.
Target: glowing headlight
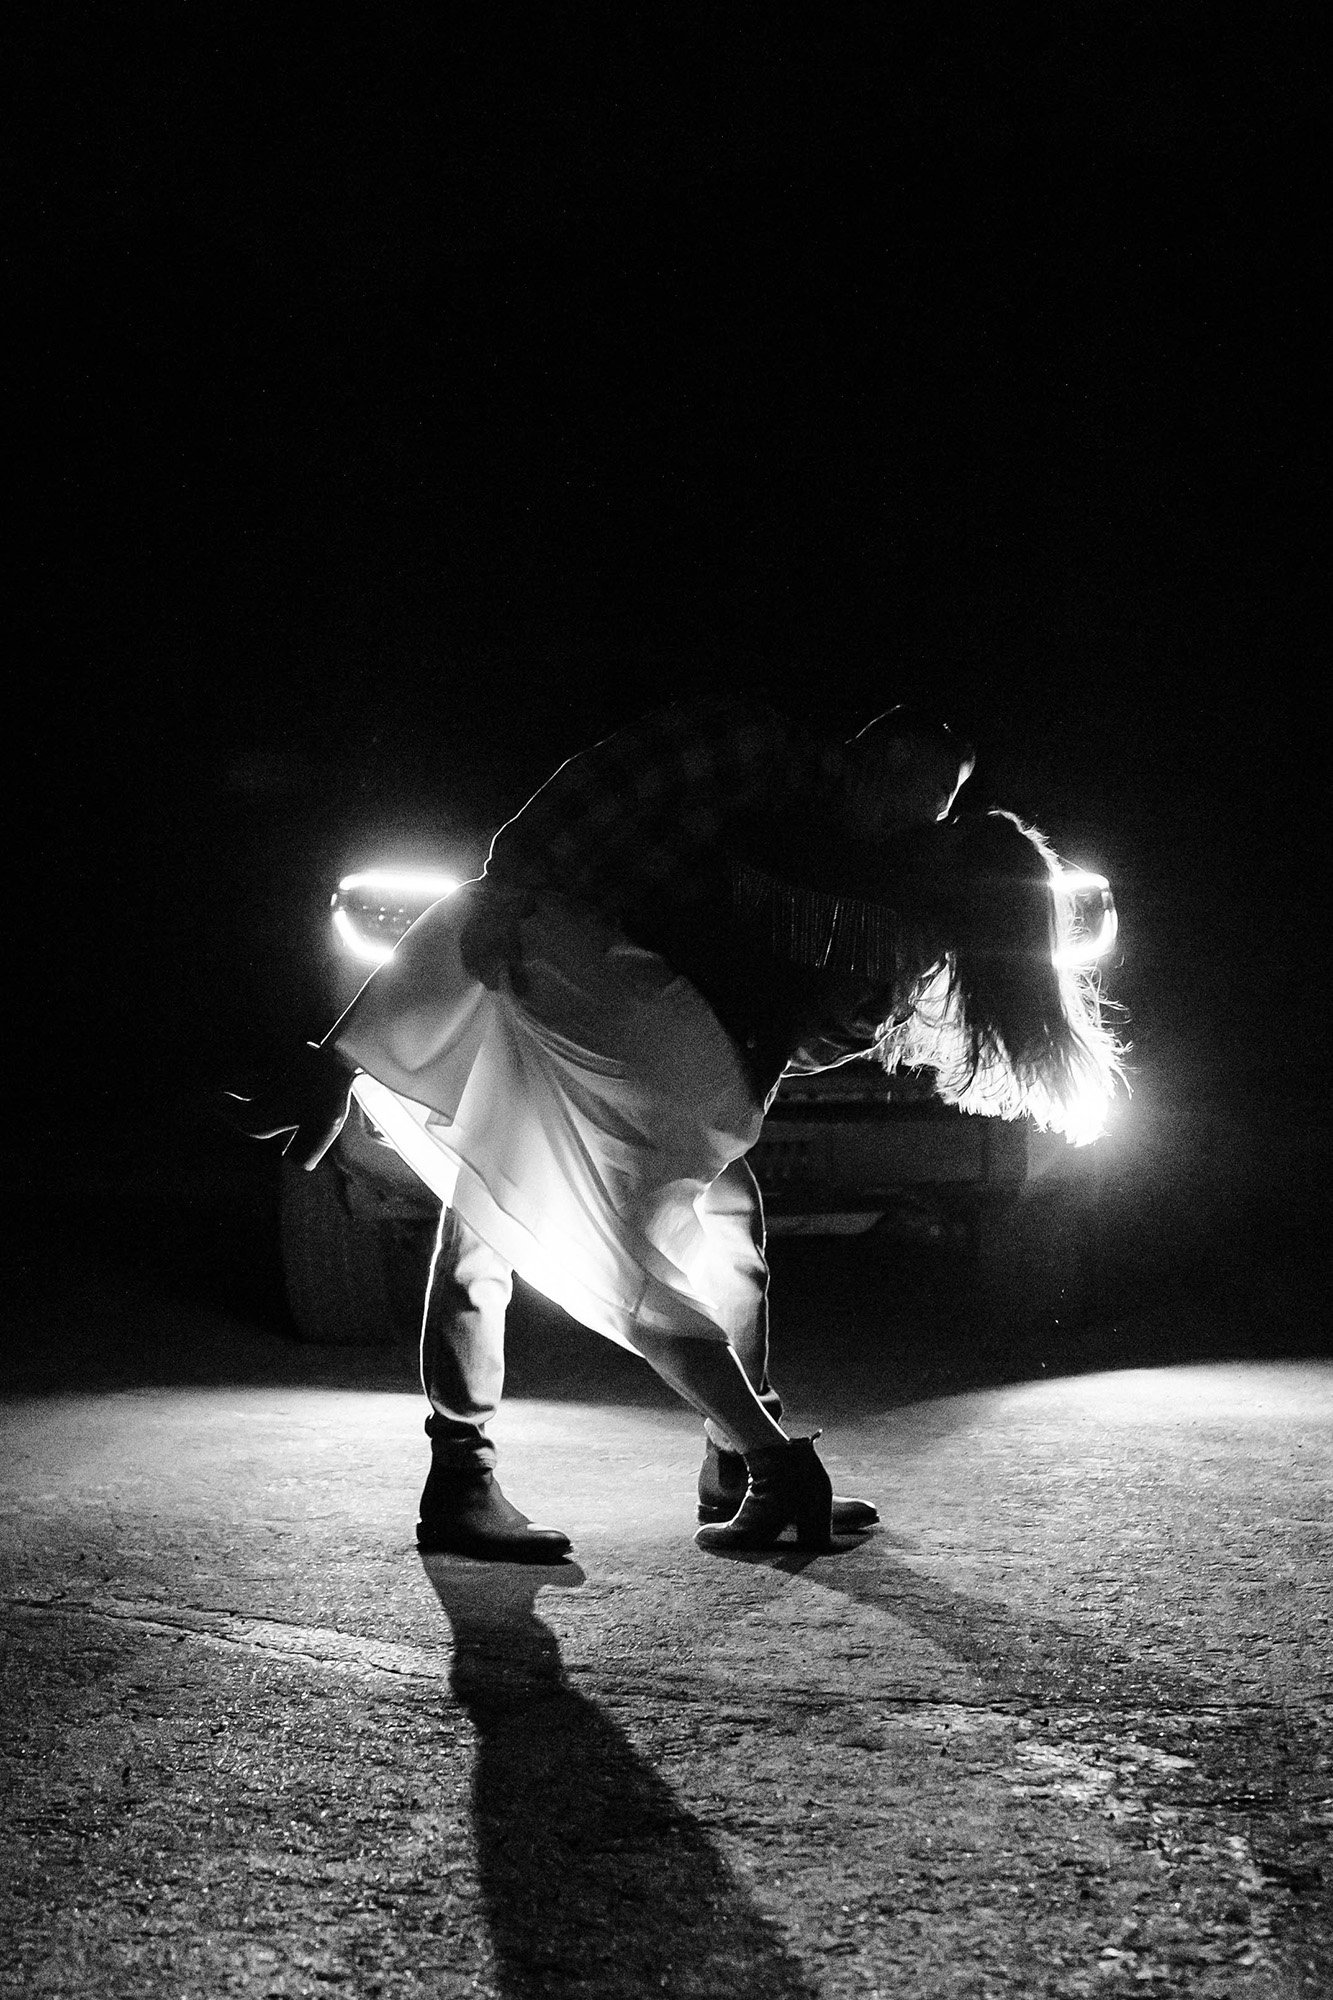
(1095, 916)
(372, 910)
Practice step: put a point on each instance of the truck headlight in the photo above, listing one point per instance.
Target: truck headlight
(372, 910)
(1092, 923)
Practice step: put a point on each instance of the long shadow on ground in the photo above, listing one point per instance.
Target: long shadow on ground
(596, 1880)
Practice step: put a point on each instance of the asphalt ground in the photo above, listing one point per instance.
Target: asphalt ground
(1059, 1727)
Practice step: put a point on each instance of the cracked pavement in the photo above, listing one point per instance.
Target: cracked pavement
(1059, 1728)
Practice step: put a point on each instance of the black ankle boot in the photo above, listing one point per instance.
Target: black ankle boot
(722, 1485)
(464, 1512)
(788, 1488)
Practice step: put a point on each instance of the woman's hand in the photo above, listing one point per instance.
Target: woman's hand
(306, 1107)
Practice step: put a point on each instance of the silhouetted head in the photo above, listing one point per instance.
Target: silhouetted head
(906, 769)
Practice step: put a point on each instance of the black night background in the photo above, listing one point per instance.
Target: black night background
(405, 408)
(403, 399)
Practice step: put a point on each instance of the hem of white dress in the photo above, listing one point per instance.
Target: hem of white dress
(412, 1130)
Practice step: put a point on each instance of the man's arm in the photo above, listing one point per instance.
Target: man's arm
(630, 815)
(637, 805)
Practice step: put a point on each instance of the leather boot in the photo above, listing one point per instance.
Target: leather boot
(722, 1484)
(464, 1511)
(788, 1488)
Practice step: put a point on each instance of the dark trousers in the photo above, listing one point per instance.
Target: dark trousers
(462, 1333)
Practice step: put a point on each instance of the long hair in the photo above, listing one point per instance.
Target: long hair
(1009, 1026)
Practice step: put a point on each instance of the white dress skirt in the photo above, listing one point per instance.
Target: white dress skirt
(577, 1129)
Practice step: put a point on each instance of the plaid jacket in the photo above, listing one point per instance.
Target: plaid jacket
(639, 815)
(658, 827)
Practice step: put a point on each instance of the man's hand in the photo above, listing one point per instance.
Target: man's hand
(490, 942)
(306, 1107)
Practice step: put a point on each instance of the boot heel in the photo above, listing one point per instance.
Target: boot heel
(812, 1505)
(788, 1488)
(814, 1529)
